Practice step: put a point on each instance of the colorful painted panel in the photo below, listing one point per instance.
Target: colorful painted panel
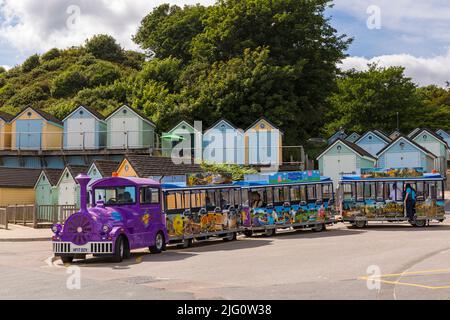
(282, 215)
(187, 224)
(390, 209)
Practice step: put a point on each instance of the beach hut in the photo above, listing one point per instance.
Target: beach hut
(17, 186)
(263, 143)
(344, 157)
(161, 169)
(5, 130)
(129, 129)
(436, 144)
(394, 135)
(405, 153)
(182, 136)
(413, 133)
(382, 134)
(372, 141)
(353, 137)
(46, 187)
(34, 129)
(100, 169)
(84, 128)
(340, 134)
(224, 143)
(68, 188)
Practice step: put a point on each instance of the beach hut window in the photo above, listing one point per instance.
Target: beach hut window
(29, 114)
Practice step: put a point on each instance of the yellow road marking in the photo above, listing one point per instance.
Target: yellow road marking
(423, 272)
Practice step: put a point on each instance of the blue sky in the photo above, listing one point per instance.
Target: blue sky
(412, 33)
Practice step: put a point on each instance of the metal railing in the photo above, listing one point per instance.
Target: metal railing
(36, 215)
(54, 213)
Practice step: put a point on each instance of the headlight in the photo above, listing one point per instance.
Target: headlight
(105, 228)
(56, 228)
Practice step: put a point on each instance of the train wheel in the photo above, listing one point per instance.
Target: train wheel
(187, 243)
(420, 223)
(270, 232)
(119, 250)
(160, 243)
(248, 233)
(319, 227)
(230, 237)
(360, 224)
(67, 259)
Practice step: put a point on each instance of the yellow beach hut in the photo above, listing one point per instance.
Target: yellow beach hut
(17, 186)
(5, 130)
(263, 143)
(34, 129)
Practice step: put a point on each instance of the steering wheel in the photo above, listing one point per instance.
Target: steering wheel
(112, 201)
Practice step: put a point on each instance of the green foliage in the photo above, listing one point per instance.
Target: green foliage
(2, 70)
(371, 100)
(51, 55)
(168, 30)
(31, 63)
(102, 73)
(104, 47)
(30, 95)
(236, 171)
(68, 83)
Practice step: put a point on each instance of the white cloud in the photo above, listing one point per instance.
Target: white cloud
(6, 67)
(35, 26)
(418, 19)
(424, 71)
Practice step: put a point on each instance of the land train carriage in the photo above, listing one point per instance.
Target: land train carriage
(290, 205)
(202, 212)
(133, 213)
(366, 199)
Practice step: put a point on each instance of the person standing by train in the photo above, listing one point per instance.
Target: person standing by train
(410, 201)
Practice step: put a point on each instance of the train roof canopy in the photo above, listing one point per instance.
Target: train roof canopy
(426, 176)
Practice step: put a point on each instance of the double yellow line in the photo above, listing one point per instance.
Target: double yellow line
(381, 278)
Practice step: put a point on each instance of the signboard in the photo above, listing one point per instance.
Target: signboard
(285, 177)
(208, 178)
(392, 173)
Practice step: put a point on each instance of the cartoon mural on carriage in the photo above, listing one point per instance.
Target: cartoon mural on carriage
(379, 196)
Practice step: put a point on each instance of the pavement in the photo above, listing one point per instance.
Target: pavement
(18, 233)
(384, 261)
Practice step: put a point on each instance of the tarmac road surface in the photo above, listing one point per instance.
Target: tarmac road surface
(388, 261)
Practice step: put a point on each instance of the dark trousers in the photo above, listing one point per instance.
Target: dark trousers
(410, 208)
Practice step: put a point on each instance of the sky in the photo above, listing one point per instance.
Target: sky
(410, 33)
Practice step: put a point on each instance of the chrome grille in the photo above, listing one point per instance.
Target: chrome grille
(91, 247)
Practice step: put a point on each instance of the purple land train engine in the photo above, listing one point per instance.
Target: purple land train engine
(126, 214)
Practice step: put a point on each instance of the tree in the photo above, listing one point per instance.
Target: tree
(243, 89)
(68, 83)
(31, 63)
(2, 70)
(104, 47)
(168, 30)
(371, 99)
(51, 54)
(101, 73)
